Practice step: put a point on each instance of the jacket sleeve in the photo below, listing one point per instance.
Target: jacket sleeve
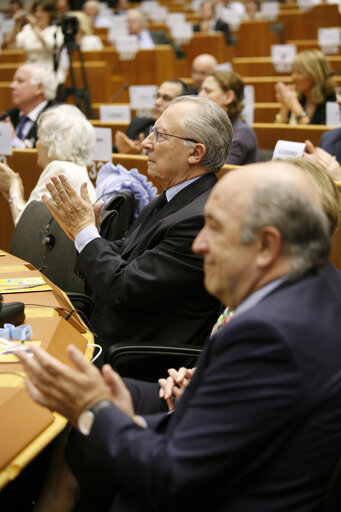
(166, 267)
(235, 414)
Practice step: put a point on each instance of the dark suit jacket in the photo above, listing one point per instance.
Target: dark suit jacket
(331, 142)
(220, 26)
(149, 286)
(258, 428)
(32, 134)
(139, 125)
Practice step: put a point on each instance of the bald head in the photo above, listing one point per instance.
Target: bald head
(202, 65)
(262, 222)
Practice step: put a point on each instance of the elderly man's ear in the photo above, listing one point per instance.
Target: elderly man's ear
(197, 154)
(269, 246)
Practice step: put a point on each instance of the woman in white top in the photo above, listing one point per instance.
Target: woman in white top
(65, 145)
(39, 39)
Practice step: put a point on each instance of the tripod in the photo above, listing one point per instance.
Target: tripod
(81, 95)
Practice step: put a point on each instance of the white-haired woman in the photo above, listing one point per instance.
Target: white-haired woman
(65, 145)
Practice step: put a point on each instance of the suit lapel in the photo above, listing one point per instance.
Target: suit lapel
(184, 197)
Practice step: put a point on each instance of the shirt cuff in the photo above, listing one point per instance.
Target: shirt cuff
(85, 236)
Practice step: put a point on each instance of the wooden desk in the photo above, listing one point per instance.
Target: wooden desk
(25, 427)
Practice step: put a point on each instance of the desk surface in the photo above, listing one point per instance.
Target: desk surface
(25, 427)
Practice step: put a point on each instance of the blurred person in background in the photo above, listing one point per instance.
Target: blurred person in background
(304, 101)
(226, 88)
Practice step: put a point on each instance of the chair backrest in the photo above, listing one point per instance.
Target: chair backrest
(40, 240)
(117, 216)
(333, 498)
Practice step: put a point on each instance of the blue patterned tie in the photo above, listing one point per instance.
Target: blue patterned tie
(20, 127)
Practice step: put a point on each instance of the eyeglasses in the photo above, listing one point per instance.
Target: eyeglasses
(156, 133)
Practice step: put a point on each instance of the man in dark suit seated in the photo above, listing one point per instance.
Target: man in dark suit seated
(130, 141)
(33, 91)
(149, 285)
(259, 426)
(209, 24)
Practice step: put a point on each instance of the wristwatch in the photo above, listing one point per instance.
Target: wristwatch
(87, 417)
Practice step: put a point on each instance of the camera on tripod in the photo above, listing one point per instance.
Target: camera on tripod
(69, 26)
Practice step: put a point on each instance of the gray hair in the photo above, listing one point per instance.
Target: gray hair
(67, 134)
(303, 225)
(211, 126)
(43, 75)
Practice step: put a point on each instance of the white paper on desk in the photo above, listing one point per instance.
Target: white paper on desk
(288, 149)
(115, 113)
(5, 139)
(142, 96)
(333, 114)
(103, 145)
(328, 37)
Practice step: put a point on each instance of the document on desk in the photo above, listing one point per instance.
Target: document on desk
(23, 284)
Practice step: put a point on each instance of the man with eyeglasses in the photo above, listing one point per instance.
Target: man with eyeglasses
(149, 285)
(130, 141)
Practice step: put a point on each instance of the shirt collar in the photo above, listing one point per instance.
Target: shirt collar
(253, 299)
(172, 191)
(33, 114)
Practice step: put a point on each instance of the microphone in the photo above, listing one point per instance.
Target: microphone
(118, 93)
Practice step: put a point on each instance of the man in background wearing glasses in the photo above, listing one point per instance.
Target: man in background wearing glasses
(149, 285)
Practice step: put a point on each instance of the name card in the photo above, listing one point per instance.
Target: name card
(5, 139)
(224, 66)
(329, 40)
(142, 96)
(103, 145)
(115, 113)
(182, 33)
(288, 149)
(127, 47)
(175, 18)
(158, 13)
(333, 114)
(282, 56)
(249, 104)
(270, 9)
(231, 17)
(305, 5)
(7, 26)
(149, 5)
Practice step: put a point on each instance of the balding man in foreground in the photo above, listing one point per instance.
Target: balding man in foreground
(259, 426)
(149, 285)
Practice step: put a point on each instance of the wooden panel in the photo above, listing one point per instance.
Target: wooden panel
(255, 39)
(5, 96)
(262, 66)
(208, 43)
(98, 77)
(268, 133)
(147, 68)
